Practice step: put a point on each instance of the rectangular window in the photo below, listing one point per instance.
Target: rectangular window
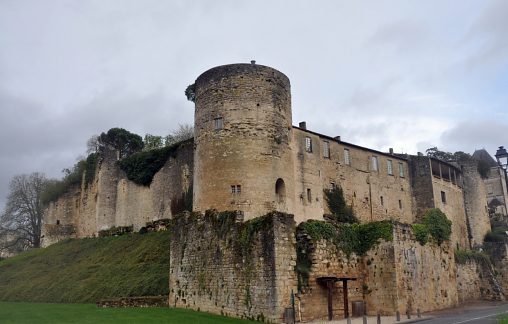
(236, 189)
(389, 166)
(309, 195)
(382, 201)
(400, 204)
(326, 149)
(308, 144)
(218, 123)
(401, 170)
(347, 158)
(443, 197)
(374, 163)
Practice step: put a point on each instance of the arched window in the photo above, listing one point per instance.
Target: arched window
(280, 190)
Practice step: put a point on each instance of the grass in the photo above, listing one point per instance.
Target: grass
(87, 313)
(86, 270)
(503, 319)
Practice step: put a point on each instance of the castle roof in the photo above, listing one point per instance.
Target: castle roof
(483, 155)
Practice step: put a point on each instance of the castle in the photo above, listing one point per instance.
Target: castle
(246, 156)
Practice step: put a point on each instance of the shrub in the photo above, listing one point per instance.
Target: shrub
(421, 233)
(337, 205)
(463, 256)
(438, 225)
(497, 234)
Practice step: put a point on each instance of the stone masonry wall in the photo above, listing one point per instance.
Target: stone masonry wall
(396, 275)
(374, 194)
(475, 282)
(475, 201)
(239, 269)
(113, 200)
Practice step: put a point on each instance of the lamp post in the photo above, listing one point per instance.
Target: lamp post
(502, 161)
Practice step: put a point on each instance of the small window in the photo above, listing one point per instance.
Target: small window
(57, 222)
(443, 197)
(347, 158)
(326, 149)
(400, 204)
(389, 166)
(332, 185)
(401, 170)
(218, 123)
(309, 195)
(236, 189)
(382, 201)
(374, 163)
(308, 144)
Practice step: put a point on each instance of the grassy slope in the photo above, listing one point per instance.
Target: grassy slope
(79, 313)
(85, 270)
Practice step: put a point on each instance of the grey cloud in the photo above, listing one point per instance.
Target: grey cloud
(470, 135)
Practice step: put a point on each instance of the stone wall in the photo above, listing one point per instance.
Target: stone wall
(374, 194)
(145, 301)
(475, 201)
(111, 200)
(393, 276)
(253, 104)
(239, 269)
(476, 281)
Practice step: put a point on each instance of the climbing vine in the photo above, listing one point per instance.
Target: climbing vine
(141, 167)
(348, 238)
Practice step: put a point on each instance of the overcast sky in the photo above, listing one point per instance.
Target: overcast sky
(403, 74)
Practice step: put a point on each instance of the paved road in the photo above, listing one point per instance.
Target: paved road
(471, 314)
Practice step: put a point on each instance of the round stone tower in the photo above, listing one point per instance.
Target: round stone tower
(242, 133)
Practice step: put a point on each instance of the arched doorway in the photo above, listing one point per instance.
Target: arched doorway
(280, 191)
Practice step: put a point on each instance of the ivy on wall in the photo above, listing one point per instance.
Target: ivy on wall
(141, 167)
(348, 238)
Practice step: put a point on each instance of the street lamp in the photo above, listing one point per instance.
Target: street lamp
(502, 157)
(502, 161)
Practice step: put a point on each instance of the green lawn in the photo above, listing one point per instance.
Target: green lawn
(41, 313)
(503, 319)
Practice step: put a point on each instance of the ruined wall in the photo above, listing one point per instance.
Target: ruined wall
(233, 268)
(374, 194)
(475, 201)
(113, 200)
(136, 204)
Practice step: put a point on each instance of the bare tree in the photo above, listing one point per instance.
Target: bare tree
(92, 145)
(21, 221)
(184, 132)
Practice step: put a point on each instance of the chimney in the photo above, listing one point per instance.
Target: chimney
(337, 138)
(302, 125)
(390, 150)
(420, 154)
(252, 62)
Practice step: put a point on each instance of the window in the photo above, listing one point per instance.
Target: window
(374, 163)
(443, 197)
(401, 170)
(236, 189)
(280, 190)
(400, 204)
(309, 195)
(308, 144)
(389, 166)
(57, 222)
(382, 201)
(347, 158)
(326, 149)
(218, 123)
(332, 185)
